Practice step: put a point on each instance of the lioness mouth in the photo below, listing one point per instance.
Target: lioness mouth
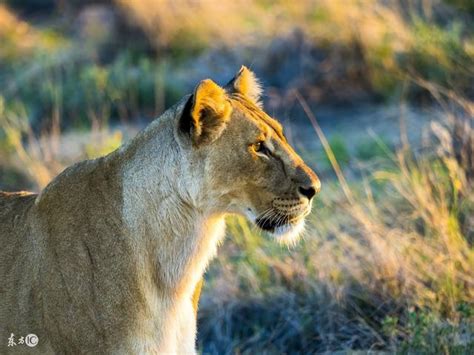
(271, 224)
(268, 224)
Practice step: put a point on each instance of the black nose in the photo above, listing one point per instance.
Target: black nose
(308, 192)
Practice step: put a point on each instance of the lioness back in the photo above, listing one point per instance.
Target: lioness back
(14, 209)
(10, 201)
(19, 255)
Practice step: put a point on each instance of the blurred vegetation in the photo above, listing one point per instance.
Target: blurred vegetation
(91, 62)
(371, 149)
(390, 39)
(386, 262)
(340, 150)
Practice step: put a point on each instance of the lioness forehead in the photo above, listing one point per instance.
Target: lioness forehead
(252, 110)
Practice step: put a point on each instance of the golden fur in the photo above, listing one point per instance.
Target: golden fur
(108, 258)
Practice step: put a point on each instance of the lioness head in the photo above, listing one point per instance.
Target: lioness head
(246, 164)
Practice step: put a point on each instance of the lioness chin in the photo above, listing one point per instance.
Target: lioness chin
(107, 257)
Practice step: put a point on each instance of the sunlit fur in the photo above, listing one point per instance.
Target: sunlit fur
(289, 234)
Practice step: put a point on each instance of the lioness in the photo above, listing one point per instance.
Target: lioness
(107, 257)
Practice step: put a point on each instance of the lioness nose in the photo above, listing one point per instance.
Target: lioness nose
(309, 183)
(311, 189)
(308, 192)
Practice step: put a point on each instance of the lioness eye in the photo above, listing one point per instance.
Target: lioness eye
(261, 148)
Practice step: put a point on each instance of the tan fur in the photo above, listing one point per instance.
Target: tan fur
(247, 84)
(109, 256)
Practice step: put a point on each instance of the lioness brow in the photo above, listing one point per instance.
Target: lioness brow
(257, 113)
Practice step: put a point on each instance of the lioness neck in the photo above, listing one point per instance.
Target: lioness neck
(162, 210)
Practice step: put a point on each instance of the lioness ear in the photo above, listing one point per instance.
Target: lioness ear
(247, 84)
(206, 113)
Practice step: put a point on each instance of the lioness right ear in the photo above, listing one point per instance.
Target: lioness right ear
(206, 113)
(246, 83)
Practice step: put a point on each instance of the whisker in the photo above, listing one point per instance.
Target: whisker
(263, 217)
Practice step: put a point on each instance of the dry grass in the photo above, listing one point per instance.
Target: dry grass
(388, 38)
(19, 39)
(235, 22)
(40, 156)
(14, 32)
